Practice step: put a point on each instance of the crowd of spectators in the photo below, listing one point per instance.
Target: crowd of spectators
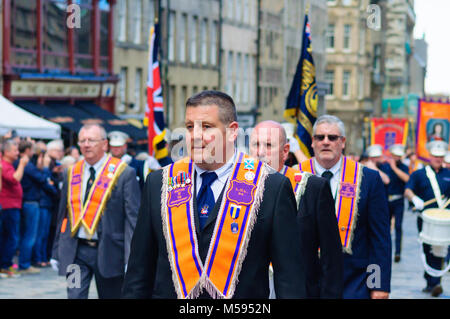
(31, 174)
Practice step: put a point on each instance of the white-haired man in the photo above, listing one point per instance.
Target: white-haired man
(361, 210)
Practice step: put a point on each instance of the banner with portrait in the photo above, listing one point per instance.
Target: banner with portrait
(433, 124)
(387, 132)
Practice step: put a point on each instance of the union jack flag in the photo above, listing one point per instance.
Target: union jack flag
(154, 111)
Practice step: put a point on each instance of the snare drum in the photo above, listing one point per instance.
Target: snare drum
(436, 227)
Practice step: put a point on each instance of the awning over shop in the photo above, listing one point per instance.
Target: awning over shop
(72, 117)
(25, 123)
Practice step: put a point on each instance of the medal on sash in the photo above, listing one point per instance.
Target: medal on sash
(234, 213)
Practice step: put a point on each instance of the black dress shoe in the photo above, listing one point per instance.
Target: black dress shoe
(436, 291)
(397, 258)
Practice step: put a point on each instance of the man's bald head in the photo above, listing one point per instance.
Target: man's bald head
(268, 143)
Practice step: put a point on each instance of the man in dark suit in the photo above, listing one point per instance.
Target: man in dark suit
(214, 200)
(96, 219)
(316, 218)
(361, 210)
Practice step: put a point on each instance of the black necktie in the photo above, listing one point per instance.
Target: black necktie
(89, 183)
(328, 175)
(205, 197)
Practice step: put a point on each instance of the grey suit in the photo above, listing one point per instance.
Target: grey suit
(114, 231)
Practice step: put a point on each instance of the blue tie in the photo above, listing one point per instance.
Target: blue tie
(205, 197)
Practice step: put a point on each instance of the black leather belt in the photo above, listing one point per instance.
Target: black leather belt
(88, 242)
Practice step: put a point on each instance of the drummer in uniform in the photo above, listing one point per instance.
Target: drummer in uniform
(398, 175)
(429, 187)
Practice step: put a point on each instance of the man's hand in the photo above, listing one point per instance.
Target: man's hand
(55, 264)
(376, 294)
(47, 159)
(418, 202)
(392, 163)
(24, 160)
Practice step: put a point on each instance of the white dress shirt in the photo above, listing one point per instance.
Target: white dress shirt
(222, 176)
(86, 174)
(336, 170)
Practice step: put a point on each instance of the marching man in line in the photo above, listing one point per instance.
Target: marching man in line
(96, 218)
(316, 218)
(429, 187)
(361, 210)
(210, 224)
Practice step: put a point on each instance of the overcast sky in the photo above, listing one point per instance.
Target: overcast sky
(433, 19)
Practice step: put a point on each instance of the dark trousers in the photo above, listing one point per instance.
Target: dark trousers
(9, 236)
(86, 260)
(396, 209)
(432, 260)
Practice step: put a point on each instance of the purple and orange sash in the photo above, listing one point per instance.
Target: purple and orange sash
(233, 227)
(88, 215)
(346, 199)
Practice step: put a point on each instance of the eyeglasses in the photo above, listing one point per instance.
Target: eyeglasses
(331, 138)
(89, 141)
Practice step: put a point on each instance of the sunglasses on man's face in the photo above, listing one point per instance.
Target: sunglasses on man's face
(332, 137)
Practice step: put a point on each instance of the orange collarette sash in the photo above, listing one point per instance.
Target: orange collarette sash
(347, 197)
(234, 224)
(88, 215)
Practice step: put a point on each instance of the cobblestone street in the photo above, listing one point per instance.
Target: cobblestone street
(407, 276)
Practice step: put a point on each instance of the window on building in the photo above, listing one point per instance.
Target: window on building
(183, 37)
(193, 42)
(138, 90)
(184, 95)
(104, 35)
(172, 43)
(55, 40)
(346, 2)
(123, 88)
(245, 74)
(238, 14)
(346, 84)
(230, 6)
(137, 20)
(172, 103)
(330, 36)
(229, 81)
(122, 11)
(376, 58)
(246, 17)
(204, 42)
(82, 37)
(238, 78)
(329, 78)
(214, 43)
(252, 81)
(347, 35)
(56, 47)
